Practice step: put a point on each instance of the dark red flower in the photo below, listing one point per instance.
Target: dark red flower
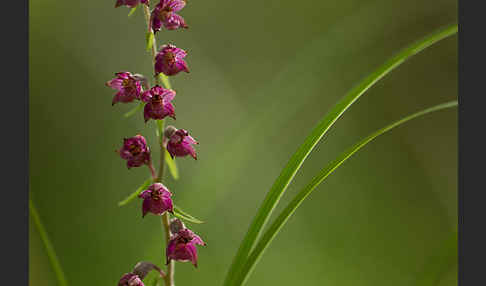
(128, 86)
(170, 60)
(135, 151)
(179, 142)
(165, 14)
(130, 3)
(182, 246)
(159, 104)
(157, 200)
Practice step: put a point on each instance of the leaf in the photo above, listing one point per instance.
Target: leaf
(165, 80)
(287, 174)
(185, 216)
(132, 11)
(150, 40)
(280, 221)
(160, 129)
(133, 195)
(56, 265)
(134, 110)
(171, 163)
(174, 171)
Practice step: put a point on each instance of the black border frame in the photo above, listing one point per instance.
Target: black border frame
(471, 191)
(15, 135)
(15, 115)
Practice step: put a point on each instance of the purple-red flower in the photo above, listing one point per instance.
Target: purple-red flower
(130, 279)
(159, 104)
(129, 88)
(135, 151)
(156, 200)
(130, 3)
(179, 142)
(170, 60)
(182, 246)
(139, 272)
(165, 14)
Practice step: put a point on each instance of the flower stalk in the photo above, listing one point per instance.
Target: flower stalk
(156, 103)
(152, 171)
(169, 277)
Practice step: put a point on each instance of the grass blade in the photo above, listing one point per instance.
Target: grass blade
(185, 216)
(295, 162)
(134, 110)
(134, 195)
(323, 174)
(171, 163)
(61, 278)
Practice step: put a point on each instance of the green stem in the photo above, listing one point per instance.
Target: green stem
(160, 126)
(146, 11)
(169, 278)
(47, 244)
(161, 76)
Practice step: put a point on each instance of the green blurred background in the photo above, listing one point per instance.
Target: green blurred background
(262, 74)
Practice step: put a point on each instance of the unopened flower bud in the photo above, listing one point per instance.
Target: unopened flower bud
(142, 79)
(169, 131)
(130, 3)
(176, 225)
(141, 270)
(144, 267)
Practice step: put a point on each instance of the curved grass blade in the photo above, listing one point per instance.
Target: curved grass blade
(61, 278)
(295, 162)
(133, 195)
(171, 163)
(185, 216)
(280, 221)
(134, 110)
